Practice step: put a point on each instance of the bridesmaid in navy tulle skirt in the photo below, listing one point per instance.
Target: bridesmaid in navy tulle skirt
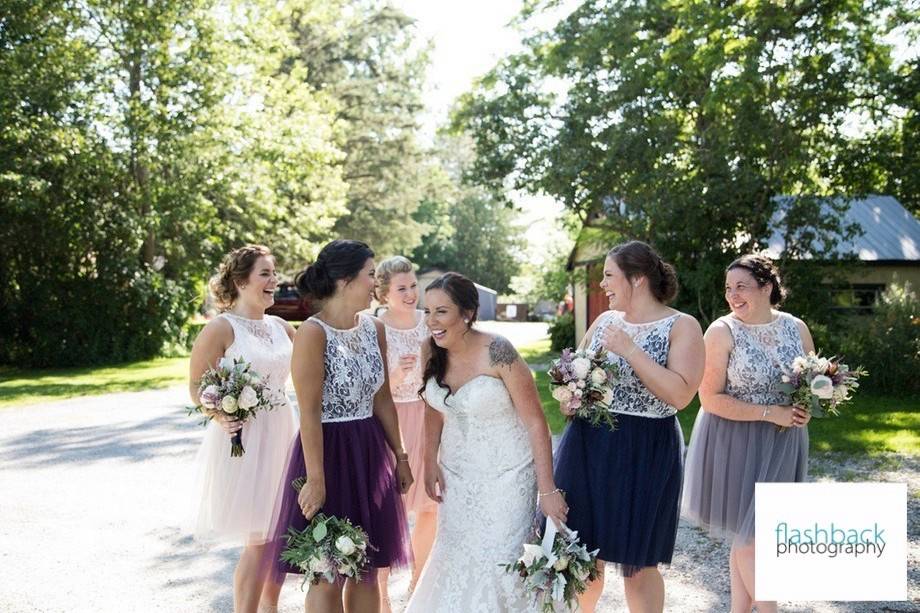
(623, 486)
(349, 446)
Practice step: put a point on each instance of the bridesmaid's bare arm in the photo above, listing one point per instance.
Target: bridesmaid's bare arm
(308, 370)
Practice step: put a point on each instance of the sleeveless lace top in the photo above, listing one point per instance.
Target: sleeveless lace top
(761, 353)
(354, 370)
(403, 342)
(654, 338)
(265, 344)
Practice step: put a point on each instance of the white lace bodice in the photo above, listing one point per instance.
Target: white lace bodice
(489, 503)
(265, 344)
(760, 355)
(654, 338)
(353, 370)
(406, 342)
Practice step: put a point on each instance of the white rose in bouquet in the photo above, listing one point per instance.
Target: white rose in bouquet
(822, 387)
(345, 545)
(562, 394)
(248, 398)
(319, 565)
(581, 367)
(598, 376)
(229, 404)
(225, 363)
(561, 564)
(799, 364)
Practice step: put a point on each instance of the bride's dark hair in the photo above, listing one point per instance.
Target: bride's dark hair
(463, 293)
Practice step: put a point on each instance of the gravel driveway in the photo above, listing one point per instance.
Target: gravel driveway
(92, 492)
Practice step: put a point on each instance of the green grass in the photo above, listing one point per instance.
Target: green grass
(538, 353)
(22, 386)
(873, 424)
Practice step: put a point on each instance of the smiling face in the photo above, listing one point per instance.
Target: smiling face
(402, 294)
(617, 287)
(258, 291)
(746, 299)
(444, 318)
(360, 291)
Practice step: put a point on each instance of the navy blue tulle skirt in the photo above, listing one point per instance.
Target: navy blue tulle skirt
(361, 486)
(623, 488)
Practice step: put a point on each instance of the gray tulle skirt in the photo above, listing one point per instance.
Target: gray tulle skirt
(725, 459)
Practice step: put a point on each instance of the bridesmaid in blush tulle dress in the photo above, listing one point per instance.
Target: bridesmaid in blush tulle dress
(397, 289)
(235, 495)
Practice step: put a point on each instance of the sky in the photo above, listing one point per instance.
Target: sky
(468, 38)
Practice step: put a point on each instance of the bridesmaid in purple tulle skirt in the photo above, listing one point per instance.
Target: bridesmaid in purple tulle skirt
(349, 446)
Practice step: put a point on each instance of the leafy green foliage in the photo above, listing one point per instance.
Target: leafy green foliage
(562, 332)
(888, 344)
(680, 123)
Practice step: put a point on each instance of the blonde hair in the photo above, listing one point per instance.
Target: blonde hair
(234, 269)
(385, 272)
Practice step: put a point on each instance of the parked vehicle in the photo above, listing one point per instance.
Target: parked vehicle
(290, 305)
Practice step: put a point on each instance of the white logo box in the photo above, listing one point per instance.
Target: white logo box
(865, 524)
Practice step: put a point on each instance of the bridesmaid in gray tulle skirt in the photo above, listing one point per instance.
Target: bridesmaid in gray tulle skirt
(746, 431)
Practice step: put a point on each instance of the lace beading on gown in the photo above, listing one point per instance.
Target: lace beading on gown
(403, 342)
(354, 371)
(760, 355)
(489, 503)
(629, 393)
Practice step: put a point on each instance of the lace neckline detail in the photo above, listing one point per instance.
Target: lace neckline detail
(643, 324)
(355, 327)
(241, 318)
(419, 324)
(777, 316)
(261, 329)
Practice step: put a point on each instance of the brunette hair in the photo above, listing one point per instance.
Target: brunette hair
(340, 259)
(764, 271)
(463, 293)
(234, 270)
(636, 258)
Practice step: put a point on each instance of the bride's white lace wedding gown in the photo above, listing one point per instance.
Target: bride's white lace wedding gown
(489, 503)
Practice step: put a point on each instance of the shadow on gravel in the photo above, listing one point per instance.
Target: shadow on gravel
(130, 441)
(185, 553)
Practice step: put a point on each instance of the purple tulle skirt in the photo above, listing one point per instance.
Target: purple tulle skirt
(361, 486)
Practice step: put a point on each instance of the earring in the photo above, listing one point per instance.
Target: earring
(466, 321)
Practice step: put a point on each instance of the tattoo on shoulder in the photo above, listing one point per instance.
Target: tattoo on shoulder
(502, 352)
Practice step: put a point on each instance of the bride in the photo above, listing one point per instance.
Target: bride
(487, 448)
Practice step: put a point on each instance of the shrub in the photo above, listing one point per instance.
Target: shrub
(562, 332)
(888, 344)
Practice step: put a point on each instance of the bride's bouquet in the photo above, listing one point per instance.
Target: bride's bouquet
(583, 385)
(326, 549)
(556, 571)
(820, 385)
(236, 389)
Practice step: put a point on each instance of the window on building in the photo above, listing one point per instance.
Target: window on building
(857, 298)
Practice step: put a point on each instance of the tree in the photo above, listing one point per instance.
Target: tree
(681, 123)
(363, 54)
(132, 156)
(471, 230)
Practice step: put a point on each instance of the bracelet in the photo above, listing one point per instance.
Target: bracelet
(555, 491)
(402, 457)
(766, 411)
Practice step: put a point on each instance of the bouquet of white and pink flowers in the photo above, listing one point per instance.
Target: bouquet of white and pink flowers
(583, 385)
(236, 389)
(326, 549)
(556, 571)
(820, 385)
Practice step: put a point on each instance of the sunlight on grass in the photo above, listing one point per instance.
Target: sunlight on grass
(538, 353)
(21, 386)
